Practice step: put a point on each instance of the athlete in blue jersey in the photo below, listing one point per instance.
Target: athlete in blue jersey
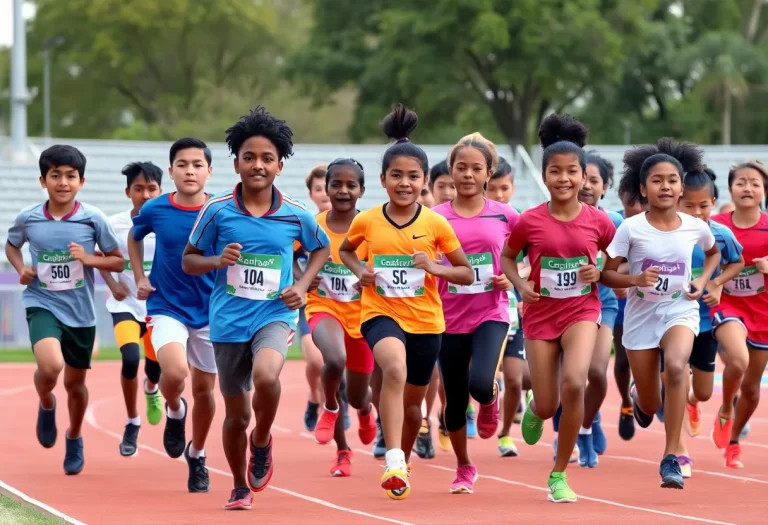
(255, 303)
(177, 305)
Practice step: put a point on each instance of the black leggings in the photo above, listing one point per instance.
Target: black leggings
(468, 365)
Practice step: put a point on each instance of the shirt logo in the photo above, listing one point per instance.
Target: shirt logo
(418, 237)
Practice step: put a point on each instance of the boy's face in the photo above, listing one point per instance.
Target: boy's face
(501, 189)
(62, 184)
(142, 190)
(444, 189)
(258, 164)
(318, 195)
(190, 171)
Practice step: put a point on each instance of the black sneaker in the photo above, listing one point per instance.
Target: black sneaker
(174, 435)
(73, 457)
(379, 446)
(259, 466)
(643, 419)
(128, 445)
(423, 445)
(627, 423)
(311, 415)
(46, 425)
(671, 475)
(198, 474)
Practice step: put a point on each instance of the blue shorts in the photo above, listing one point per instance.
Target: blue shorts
(610, 309)
(620, 315)
(303, 326)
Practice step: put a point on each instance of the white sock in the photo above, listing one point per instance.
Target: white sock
(148, 390)
(423, 409)
(194, 453)
(585, 431)
(329, 410)
(394, 458)
(177, 414)
(134, 421)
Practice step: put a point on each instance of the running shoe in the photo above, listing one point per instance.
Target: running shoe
(721, 432)
(403, 493)
(559, 491)
(556, 418)
(366, 426)
(466, 476)
(345, 404)
(745, 431)
(574, 454)
(660, 411)
(128, 446)
(587, 454)
(733, 456)
(471, 425)
(342, 465)
(395, 477)
(685, 466)
(488, 418)
(423, 444)
(643, 419)
(598, 436)
(154, 406)
(198, 480)
(442, 433)
(518, 417)
(693, 419)
(73, 456)
(671, 475)
(174, 435)
(46, 425)
(380, 447)
(507, 447)
(326, 425)
(240, 499)
(310, 416)
(532, 425)
(260, 465)
(627, 423)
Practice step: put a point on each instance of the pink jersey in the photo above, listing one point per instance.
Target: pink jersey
(482, 238)
(556, 250)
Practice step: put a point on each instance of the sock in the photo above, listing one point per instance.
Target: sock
(423, 409)
(394, 457)
(177, 414)
(363, 412)
(148, 390)
(329, 410)
(134, 421)
(585, 431)
(194, 453)
(732, 442)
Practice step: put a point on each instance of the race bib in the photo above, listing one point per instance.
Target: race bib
(514, 318)
(600, 261)
(560, 277)
(482, 266)
(58, 271)
(255, 277)
(669, 285)
(397, 277)
(147, 267)
(749, 282)
(338, 283)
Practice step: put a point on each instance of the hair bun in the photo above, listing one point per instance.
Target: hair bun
(400, 123)
(559, 128)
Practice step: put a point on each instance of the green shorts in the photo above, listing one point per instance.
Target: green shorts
(76, 343)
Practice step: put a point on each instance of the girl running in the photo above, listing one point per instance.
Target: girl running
(662, 315)
(476, 316)
(562, 312)
(402, 318)
(739, 319)
(333, 311)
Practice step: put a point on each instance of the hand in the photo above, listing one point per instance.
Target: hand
(293, 296)
(761, 263)
(696, 288)
(27, 275)
(648, 277)
(438, 258)
(621, 293)
(77, 251)
(422, 261)
(712, 297)
(229, 255)
(315, 282)
(500, 282)
(119, 290)
(144, 288)
(589, 273)
(529, 295)
(367, 278)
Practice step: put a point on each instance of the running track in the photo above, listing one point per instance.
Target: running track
(151, 487)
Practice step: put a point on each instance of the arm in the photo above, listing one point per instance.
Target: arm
(460, 271)
(612, 278)
(524, 287)
(195, 263)
(136, 256)
(111, 261)
(730, 271)
(16, 258)
(315, 263)
(118, 290)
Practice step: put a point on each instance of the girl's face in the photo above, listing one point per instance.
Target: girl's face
(470, 172)
(699, 202)
(443, 189)
(564, 177)
(403, 180)
(501, 189)
(663, 186)
(344, 188)
(594, 188)
(747, 189)
(630, 209)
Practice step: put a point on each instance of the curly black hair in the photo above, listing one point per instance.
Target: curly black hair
(260, 123)
(399, 125)
(562, 134)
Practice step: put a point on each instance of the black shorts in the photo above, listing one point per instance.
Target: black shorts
(704, 354)
(119, 317)
(516, 344)
(76, 342)
(421, 350)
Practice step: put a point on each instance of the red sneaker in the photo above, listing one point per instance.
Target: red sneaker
(325, 426)
(241, 499)
(342, 466)
(367, 428)
(488, 418)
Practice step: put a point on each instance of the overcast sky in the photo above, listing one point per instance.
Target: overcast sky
(6, 20)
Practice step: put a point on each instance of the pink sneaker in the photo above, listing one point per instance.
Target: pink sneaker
(488, 418)
(466, 475)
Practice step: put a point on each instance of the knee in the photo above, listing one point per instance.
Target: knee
(394, 373)
(597, 376)
(202, 390)
(334, 365)
(264, 382)
(674, 372)
(75, 387)
(512, 383)
(572, 390)
(481, 389)
(412, 415)
(358, 400)
(238, 422)
(176, 373)
(130, 368)
(49, 372)
(737, 365)
(702, 393)
(750, 393)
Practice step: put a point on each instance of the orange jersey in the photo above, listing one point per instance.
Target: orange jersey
(337, 294)
(404, 293)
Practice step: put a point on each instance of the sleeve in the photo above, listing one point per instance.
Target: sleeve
(142, 222)
(312, 237)
(106, 238)
(513, 217)
(362, 251)
(17, 233)
(706, 240)
(606, 233)
(619, 245)
(518, 237)
(730, 248)
(358, 228)
(203, 236)
(445, 238)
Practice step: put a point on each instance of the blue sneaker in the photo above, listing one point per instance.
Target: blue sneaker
(46, 425)
(471, 426)
(587, 454)
(744, 431)
(556, 418)
(311, 415)
(598, 436)
(643, 419)
(73, 457)
(671, 475)
(379, 446)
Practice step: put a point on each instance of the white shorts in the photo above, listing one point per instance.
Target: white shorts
(196, 341)
(645, 323)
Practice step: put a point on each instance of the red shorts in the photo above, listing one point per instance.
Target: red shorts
(757, 334)
(359, 354)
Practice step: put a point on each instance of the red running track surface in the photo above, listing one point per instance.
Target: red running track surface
(151, 487)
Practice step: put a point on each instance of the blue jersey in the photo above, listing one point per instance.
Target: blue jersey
(178, 295)
(730, 252)
(246, 295)
(63, 285)
(607, 295)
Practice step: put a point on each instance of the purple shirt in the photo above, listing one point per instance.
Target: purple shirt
(482, 238)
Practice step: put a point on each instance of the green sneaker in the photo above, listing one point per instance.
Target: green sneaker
(154, 407)
(559, 491)
(531, 425)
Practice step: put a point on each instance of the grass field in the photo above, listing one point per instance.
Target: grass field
(13, 512)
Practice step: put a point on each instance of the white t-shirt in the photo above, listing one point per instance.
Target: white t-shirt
(660, 305)
(122, 224)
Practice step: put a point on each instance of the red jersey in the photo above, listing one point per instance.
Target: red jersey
(556, 250)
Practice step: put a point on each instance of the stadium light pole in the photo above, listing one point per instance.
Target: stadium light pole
(48, 46)
(19, 94)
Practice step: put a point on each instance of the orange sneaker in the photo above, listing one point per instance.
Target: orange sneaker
(733, 456)
(693, 422)
(366, 428)
(721, 433)
(342, 466)
(325, 426)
